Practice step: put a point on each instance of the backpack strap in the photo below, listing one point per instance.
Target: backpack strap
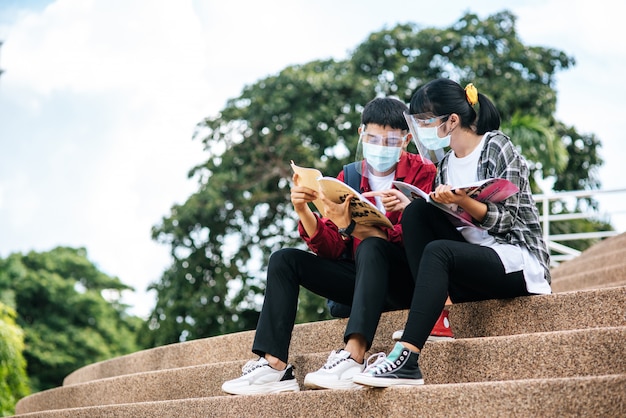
(351, 176)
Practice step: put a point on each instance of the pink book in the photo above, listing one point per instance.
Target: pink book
(490, 190)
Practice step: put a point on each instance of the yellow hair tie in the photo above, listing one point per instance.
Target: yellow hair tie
(471, 94)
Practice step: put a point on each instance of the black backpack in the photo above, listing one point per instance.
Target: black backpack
(353, 179)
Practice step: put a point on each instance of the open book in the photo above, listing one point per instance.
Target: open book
(363, 211)
(490, 190)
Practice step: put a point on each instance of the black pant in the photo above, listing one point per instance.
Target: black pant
(444, 264)
(378, 280)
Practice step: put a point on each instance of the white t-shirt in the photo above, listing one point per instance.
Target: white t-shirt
(514, 258)
(380, 183)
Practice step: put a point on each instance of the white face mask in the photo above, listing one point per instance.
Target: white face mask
(380, 157)
(430, 139)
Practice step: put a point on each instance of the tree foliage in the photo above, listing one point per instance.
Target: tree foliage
(59, 297)
(13, 378)
(221, 237)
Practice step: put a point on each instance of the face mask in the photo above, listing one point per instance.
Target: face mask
(430, 139)
(381, 158)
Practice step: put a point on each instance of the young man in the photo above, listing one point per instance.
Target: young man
(364, 267)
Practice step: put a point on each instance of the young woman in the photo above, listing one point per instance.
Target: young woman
(503, 256)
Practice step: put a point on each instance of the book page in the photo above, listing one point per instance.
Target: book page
(410, 191)
(307, 177)
(492, 188)
(362, 210)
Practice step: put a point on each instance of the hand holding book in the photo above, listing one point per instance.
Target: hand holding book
(362, 210)
(393, 199)
(491, 190)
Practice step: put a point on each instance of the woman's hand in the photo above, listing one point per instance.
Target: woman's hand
(449, 196)
(444, 193)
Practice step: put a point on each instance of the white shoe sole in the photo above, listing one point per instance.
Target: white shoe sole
(277, 387)
(397, 336)
(385, 382)
(319, 382)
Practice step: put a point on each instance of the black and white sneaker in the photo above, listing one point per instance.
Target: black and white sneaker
(258, 377)
(399, 368)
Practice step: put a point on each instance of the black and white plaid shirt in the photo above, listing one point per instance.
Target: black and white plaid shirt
(515, 220)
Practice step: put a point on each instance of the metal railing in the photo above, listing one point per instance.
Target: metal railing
(562, 252)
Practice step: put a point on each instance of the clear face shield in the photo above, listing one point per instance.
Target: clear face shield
(426, 137)
(378, 152)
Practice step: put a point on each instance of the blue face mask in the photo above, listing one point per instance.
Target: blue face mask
(380, 157)
(430, 139)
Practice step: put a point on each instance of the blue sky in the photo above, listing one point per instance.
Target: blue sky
(99, 101)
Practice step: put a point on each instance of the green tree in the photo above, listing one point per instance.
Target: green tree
(539, 143)
(221, 237)
(13, 378)
(59, 297)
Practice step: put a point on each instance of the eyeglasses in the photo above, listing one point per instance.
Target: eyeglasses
(390, 140)
(423, 122)
(426, 122)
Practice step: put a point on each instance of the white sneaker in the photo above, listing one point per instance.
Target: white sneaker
(258, 377)
(336, 373)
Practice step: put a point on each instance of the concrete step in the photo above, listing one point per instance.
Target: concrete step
(321, 336)
(528, 356)
(557, 354)
(552, 355)
(541, 313)
(610, 257)
(607, 245)
(559, 311)
(592, 278)
(602, 265)
(599, 396)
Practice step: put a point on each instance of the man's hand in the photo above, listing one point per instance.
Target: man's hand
(338, 213)
(392, 199)
(301, 196)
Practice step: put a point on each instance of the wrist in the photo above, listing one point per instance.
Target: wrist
(348, 230)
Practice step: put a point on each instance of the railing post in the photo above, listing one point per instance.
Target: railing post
(546, 221)
(551, 239)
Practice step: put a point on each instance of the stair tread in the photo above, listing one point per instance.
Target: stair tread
(579, 396)
(472, 319)
(542, 355)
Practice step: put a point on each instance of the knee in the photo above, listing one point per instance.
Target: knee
(415, 210)
(282, 259)
(282, 255)
(438, 250)
(370, 247)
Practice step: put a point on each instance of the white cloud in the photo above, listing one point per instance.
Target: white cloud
(113, 99)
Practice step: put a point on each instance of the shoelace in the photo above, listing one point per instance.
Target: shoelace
(252, 365)
(335, 358)
(380, 364)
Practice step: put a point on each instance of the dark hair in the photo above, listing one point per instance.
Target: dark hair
(443, 96)
(385, 111)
